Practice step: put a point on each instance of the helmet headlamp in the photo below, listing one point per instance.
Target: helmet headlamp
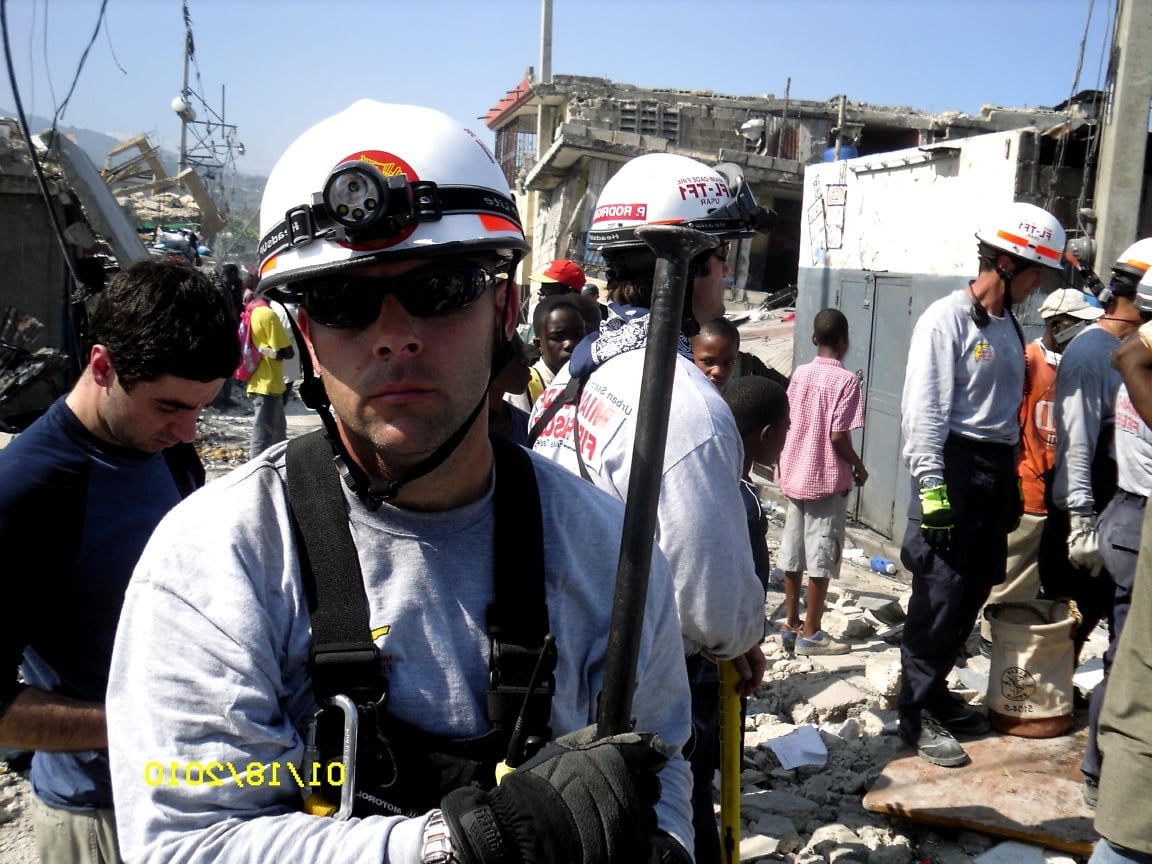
(360, 205)
(365, 202)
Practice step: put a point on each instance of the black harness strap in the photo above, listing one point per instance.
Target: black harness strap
(344, 659)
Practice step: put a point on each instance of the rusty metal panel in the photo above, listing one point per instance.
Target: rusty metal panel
(1023, 788)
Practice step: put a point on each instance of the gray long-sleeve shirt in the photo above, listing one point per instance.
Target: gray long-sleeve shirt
(210, 661)
(719, 598)
(1086, 388)
(961, 380)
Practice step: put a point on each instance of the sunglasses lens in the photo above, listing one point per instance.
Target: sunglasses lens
(355, 301)
(343, 303)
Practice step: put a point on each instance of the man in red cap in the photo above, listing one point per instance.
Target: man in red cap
(561, 276)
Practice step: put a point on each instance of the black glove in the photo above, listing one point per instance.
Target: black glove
(936, 519)
(578, 800)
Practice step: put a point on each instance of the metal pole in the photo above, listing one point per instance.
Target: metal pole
(1124, 134)
(840, 126)
(731, 746)
(674, 247)
(545, 41)
(183, 163)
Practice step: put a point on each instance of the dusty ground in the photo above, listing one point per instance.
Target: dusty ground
(811, 814)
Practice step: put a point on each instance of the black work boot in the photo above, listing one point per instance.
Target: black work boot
(960, 719)
(933, 742)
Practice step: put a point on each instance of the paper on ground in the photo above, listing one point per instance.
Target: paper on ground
(804, 746)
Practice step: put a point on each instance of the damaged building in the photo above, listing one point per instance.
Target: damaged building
(559, 141)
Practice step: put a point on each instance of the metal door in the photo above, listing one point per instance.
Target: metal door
(884, 502)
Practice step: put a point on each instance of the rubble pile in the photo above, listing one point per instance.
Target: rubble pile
(17, 844)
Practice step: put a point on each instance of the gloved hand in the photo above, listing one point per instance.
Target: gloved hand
(936, 518)
(1083, 544)
(578, 800)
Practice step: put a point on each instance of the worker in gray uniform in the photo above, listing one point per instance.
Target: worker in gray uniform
(1102, 466)
(962, 393)
(1084, 471)
(1125, 725)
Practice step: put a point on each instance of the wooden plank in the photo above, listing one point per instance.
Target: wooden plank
(1025, 789)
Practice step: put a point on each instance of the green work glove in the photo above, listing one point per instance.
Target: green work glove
(936, 521)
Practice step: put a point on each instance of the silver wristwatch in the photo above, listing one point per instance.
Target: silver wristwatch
(437, 847)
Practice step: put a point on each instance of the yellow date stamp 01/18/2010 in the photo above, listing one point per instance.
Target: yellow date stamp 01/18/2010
(253, 774)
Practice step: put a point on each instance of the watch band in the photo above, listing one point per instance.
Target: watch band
(437, 847)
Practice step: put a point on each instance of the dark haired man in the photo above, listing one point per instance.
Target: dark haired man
(91, 475)
(962, 392)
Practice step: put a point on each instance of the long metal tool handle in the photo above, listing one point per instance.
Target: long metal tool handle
(674, 247)
(731, 749)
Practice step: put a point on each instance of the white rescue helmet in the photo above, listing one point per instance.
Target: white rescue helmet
(1135, 260)
(667, 189)
(1138, 258)
(382, 182)
(1027, 232)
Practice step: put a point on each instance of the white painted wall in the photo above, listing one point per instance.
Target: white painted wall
(910, 211)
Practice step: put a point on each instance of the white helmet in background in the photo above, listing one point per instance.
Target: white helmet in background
(667, 189)
(1027, 232)
(381, 182)
(1136, 260)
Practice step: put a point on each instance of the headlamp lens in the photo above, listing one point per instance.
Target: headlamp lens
(355, 301)
(353, 194)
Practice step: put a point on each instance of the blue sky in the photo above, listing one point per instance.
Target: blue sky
(286, 64)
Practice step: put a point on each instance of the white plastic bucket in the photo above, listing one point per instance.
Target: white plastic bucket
(1030, 677)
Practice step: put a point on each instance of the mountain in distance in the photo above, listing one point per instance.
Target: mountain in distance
(246, 190)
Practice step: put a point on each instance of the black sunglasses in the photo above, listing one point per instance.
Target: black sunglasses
(355, 301)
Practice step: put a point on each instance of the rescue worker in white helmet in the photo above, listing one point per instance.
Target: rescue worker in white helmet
(962, 392)
(371, 649)
(719, 598)
(1083, 480)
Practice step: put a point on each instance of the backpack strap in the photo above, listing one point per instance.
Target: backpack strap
(344, 659)
(570, 395)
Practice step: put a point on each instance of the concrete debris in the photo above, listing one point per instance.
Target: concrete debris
(813, 813)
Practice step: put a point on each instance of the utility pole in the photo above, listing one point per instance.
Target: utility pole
(187, 109)
(544, 111)
(1124, 133)
(544, 114)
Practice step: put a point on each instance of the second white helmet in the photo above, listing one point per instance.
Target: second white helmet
(668, 189)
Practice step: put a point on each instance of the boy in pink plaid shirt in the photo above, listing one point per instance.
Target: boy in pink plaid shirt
(818, 468)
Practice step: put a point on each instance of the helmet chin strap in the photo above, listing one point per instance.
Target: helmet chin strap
(979, 313)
